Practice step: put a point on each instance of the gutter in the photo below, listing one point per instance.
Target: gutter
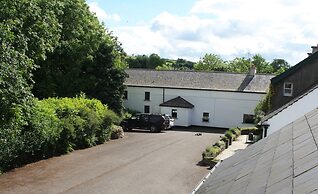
(206, 177)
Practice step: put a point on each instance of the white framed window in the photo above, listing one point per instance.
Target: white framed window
(205, 117)
(288, 89)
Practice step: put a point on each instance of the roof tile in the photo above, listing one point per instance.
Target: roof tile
(177, 102)
(199, 80)
(276, 164)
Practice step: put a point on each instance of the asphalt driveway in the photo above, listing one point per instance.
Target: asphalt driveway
(141, 162)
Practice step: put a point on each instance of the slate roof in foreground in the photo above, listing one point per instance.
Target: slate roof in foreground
(199, 80)
(177, 102)
(284, 162)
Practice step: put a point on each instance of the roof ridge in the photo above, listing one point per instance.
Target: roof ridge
(197, 71)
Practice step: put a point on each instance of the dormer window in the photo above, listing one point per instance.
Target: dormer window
(288, 89)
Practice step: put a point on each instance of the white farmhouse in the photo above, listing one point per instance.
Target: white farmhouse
(211, 99)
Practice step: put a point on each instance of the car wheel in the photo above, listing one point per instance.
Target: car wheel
(153, 129)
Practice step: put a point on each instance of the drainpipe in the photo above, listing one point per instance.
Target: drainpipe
(163, 95)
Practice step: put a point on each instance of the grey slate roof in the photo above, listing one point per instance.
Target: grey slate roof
(199, 80)
(177, 102)
(284, 162)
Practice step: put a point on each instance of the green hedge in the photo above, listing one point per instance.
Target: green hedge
(53, 127)
(236, 131)
(212, 151)
(220, 144)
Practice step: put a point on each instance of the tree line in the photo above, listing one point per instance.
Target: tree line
(55, 48)
(210, 62)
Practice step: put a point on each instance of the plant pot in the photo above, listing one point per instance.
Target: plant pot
(230, 141)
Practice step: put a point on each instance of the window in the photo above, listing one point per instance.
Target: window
(174, 113)
(288, 89)
(125, 95)
(248, 118)
(147, 96)
(205, 117)
(146, 109)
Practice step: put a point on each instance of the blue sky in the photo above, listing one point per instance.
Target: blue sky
(230, 28)
(139, 12)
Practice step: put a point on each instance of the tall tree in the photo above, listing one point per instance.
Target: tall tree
(279, 65)
(261, 64)
(183, 64)
(72, 69)
(28, 31)
(240, 65)
(104, 79)
(211, 62)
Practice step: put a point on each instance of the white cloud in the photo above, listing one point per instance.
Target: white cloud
(101, 14)
(231, 28)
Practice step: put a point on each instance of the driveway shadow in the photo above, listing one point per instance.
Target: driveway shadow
(208, 166)
(142, 131)
(199, 129)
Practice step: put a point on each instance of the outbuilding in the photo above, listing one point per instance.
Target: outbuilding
(211, 99)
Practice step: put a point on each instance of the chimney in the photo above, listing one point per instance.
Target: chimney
(314, 49)
(252, 70)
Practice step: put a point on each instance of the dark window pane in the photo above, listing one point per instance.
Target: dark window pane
(206, 117)
(174, 113)
(125, 95)
(146, 109)
(248, 118)
(147, 95)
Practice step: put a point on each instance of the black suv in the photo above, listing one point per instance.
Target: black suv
(152, 122)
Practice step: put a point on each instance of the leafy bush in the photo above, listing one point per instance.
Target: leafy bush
(224, 138)
(247, 130)
(220, 144)
(264, 106)
(85, 122)
(235, 131)
(54, 126)
(229, 134)
(129, 113)
(212, 151)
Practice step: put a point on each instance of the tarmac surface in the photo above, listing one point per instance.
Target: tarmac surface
(142, 162)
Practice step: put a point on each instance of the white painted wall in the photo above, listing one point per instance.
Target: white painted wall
(293, 112)
(226, 108)
(184, 115)
(136, 99)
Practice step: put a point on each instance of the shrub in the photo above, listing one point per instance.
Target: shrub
(212, 151)
(54, 126)
(235, 131)
(247, 130)
(229, 134)
(220, 144)
(224, 138)
(85, 122)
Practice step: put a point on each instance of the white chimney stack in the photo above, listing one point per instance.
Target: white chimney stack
(314, 49)
(252, 70)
